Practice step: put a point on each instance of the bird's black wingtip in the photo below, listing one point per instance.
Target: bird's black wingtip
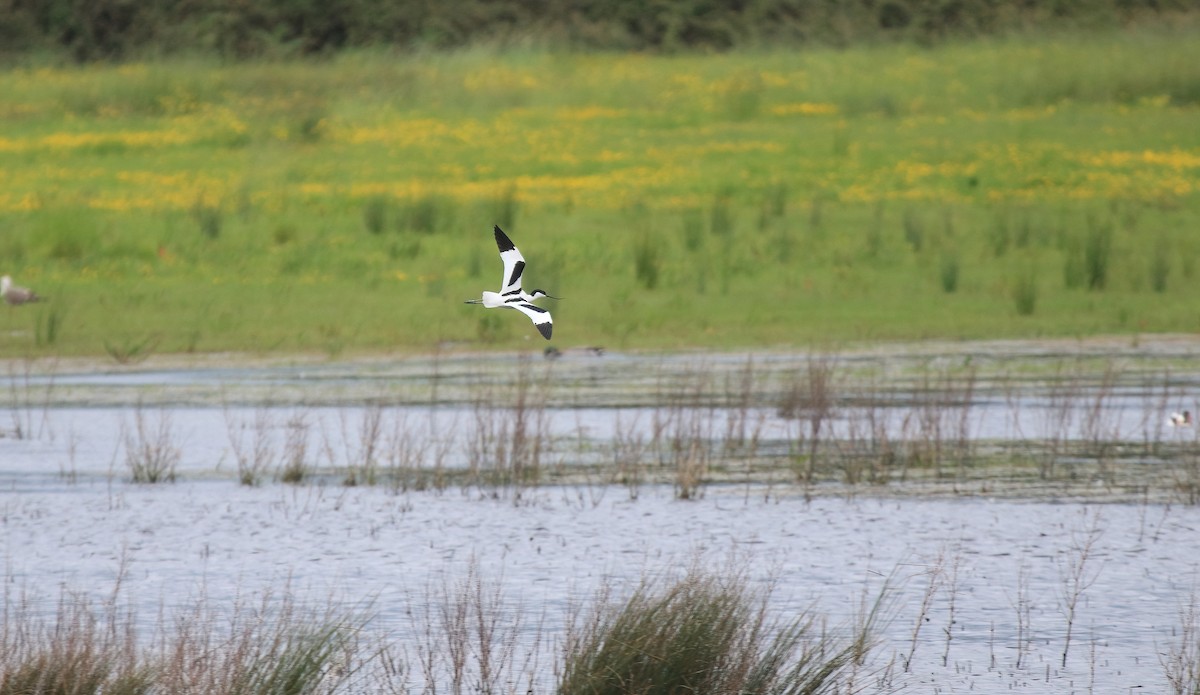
(502, 240)
(545, 329)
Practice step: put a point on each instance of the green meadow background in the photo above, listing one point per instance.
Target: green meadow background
(1033, 183)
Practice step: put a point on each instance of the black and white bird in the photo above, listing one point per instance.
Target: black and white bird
(511, 296)
(16, 295)
(1183, 419)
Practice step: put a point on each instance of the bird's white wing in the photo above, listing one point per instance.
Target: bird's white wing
(539, 316)
(514, 264)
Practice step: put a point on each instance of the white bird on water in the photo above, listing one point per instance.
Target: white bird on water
(1183, 419)
(511, 296)
(16, 295)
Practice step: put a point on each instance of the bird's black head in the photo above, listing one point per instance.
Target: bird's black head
(541, 293)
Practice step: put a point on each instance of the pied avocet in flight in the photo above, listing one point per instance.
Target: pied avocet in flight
(511, 295)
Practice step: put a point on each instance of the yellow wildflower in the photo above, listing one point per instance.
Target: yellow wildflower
(805, 109)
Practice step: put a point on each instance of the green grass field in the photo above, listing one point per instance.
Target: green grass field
(997, 188)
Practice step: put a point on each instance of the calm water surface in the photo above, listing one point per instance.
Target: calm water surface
(71, 519)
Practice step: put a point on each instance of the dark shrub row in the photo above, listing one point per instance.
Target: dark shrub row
(116, 29)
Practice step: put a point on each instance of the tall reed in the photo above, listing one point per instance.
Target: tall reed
(30, 396)
(252, 444)
(629, 451)
(152, 452)
(361, 444)
(810, 396)
(1181, 660)
(1077, 575)
(743, 423)
(416, 458)
(294, 461)
(683, 430)
(473, 639)
(511, 431)
(870, 451)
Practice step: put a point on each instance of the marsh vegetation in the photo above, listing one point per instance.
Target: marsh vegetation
(414, 493)
(224, 508)
(998, 421)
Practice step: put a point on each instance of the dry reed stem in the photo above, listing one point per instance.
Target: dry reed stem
(1097, 429)
(1181, 660)
(29, 407)
(683, 430)
(418, 460)
(934, 574)
(253, 451)
(152, 454)
(950, 585)
(472, 639)
(629, 449)
(294, 463)
(1076, 576)
(511, 434)
(1023, 607)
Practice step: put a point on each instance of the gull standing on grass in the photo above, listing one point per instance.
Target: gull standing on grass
(511, 296)
(16, 295)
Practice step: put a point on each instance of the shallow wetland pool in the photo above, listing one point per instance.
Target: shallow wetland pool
(1003, 493)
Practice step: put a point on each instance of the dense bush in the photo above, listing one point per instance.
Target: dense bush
(116, 29)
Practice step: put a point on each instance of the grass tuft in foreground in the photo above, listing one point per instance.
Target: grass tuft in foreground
(92, 648)
(710, 635)
(706, 633)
